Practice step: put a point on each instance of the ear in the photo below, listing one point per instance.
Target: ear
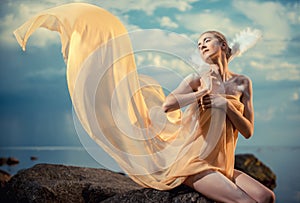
(223, 45)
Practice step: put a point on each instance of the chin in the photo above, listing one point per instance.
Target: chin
(208, 60)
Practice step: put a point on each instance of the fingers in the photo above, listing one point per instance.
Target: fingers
(206, 100)
(204, 107)
(207, 106)
(213, 77)
(212, 101)
(204, 92)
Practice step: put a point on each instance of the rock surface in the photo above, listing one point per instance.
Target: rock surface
(4, 178)
(10, 161)
(59, 183)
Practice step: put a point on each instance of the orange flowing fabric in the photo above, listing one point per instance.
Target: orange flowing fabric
(121, 110)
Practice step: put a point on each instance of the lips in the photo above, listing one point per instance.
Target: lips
(205, 50)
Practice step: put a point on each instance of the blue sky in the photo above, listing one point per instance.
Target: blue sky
(35, 106)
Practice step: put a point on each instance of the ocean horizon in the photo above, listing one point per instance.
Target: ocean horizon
(280, 159)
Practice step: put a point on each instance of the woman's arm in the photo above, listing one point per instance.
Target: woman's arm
(244, 123)
(189, 91)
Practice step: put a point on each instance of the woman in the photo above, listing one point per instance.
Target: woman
(121, 110)
(237, 187)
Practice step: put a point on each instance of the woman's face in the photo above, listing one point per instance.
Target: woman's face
(209, 47)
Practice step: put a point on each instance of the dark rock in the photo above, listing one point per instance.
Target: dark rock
(8, 161)
(12, 161)
(179, 194)
(33, 158)
(59, 183)
(256, 169)
(4, 178)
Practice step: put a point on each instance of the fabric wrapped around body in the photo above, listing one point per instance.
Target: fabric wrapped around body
(121, 110)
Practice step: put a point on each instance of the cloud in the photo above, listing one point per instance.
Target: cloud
(19, 11)
(293, 14)
(16, 15)
(160, 60)
(275, 103)
(129, 26)
(162, 41)
(295, 96)
(148, 6)
(272, 17)
(269, 66)
(283, 75)
(165, 21)
(208, 20)
(273, 68)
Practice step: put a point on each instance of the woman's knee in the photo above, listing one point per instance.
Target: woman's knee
(266, 196)
(216, 186)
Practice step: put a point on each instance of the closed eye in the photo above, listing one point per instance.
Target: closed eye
(205, 40)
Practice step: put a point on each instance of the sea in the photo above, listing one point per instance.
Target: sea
(283, 161)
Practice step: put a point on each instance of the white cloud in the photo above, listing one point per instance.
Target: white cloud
(162, 41)
(266, 13)
(277, 64)
(148, 6)
(271, 17)
(257, 65)
(295, 96)
(160, 60)
(276, 70)
(292, 75)
(293, 13)
(130, 27)
(165, 21)
(19, 11)
(209, 20)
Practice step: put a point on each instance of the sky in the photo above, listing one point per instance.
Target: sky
(35, 106)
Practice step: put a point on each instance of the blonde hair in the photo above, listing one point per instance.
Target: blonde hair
(221, 39)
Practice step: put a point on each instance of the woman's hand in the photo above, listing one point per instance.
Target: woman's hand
(205, 84)
(214, 101)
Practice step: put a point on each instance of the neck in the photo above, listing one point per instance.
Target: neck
(222, 65)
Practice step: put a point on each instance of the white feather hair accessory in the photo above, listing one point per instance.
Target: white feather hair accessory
(243, 41)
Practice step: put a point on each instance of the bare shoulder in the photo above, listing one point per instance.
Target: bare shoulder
(244, 85)
(242, 80)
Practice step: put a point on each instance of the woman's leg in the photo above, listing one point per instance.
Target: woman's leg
(255, 189)
(218, 187)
